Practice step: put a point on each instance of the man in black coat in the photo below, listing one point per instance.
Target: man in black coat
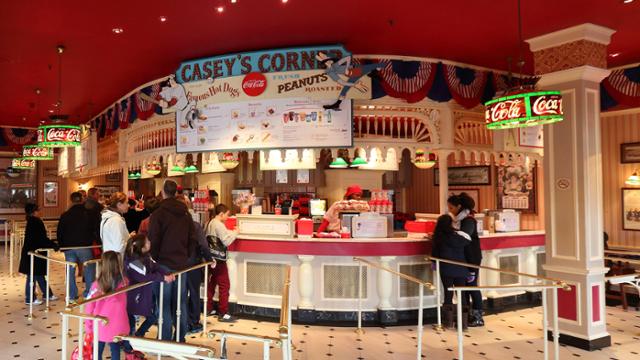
(75, 229)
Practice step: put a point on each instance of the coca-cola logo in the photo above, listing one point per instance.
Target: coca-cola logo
(23, 163)
(505, 110)
(254, 84)
(547, 105)
(63, 134)
(36, 152)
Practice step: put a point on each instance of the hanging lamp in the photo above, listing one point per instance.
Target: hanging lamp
(339, 163)
(424, 161)
(22, 163)
(228, 161)
(523, 106)
(59, 135)
(633, 179)
(191, 169)
(36, 152)
(357, 162)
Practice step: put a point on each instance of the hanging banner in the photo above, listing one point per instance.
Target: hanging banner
(35, 152)
(272, 124)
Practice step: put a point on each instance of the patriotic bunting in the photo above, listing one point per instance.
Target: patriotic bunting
(621, 87)
(123, 110)
(145, 108)
(466, 85)
(408, 80)
(16, 137)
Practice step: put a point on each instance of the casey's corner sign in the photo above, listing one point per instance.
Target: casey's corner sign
(525, 109)
(320, 73)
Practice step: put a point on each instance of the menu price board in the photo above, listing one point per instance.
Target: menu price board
(266, 124)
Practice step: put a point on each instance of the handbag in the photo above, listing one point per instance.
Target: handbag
(217, 247)
(87, 348)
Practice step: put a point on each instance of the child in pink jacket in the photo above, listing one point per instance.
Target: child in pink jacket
(113, 308)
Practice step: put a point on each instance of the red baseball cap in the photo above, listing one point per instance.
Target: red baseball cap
(353, 189)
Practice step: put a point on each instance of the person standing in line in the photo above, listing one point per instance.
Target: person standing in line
(75, 230)
(461, 208)
(35, 237)
(450, 244)
(139, 268)
(113, 308)
(194, 277)
(150, 205)
(94, 210)
(216, 230)
(133, 217)
(113, 229)
(173, 243)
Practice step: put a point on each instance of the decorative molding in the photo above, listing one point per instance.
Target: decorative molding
(590, 32)
(570, 55)
(585, 72)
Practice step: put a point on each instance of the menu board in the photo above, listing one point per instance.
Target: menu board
(266, 124)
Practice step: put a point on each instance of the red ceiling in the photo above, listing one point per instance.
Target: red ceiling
(100, 66)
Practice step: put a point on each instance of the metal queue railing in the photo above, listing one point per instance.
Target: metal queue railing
(126, 289)
(16, 238)
(422, 284)
(5, 222)
(65, 329)
(556, 284)
(284, 329)
(170, 348)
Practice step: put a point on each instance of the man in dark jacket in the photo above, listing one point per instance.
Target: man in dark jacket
(173, 242)
(75, 229)
(94, 208)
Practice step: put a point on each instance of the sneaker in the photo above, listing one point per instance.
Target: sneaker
(35, 302)
(226, 318)
(194, 329)
(213, 312)
(53, 298)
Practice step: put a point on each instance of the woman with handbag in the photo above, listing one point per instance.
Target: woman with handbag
(219, 238)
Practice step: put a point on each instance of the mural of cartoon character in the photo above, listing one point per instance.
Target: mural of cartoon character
(174, 98)
(346, 74)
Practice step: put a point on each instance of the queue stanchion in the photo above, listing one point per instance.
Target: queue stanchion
(65, 332)
(161, 310)
(204, 305)
(81, 339)
(359, 330)
(420, 328)
(95, 340)
(178, 308)
(31, 286)
(46, 309)
(459, 325)
(545, 326)
(556, 335)
(436, 279)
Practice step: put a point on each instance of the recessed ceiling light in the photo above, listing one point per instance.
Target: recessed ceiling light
(234, 1)
(162, 18)
(614, 54)
(24, 118)
(220, 9)
(284, 1)
(627, 1)
(117, 30)
(51, 111)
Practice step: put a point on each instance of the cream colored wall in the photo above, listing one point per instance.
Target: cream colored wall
(616, 130)
(337, 181)
(222, 183)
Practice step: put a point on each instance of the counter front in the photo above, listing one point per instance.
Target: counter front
(325, 276)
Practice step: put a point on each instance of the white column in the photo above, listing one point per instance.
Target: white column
(573, 158)
(529, 264)
(490, 278)
(305, 282)
(443, 189)
(232, 268)
(385, 283)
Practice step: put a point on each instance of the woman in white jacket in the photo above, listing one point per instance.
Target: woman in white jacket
(113, 228)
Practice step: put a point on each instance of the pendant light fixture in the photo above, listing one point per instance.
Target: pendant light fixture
(56, 135)
(339, 163)
(36, 152)
(24, 164)
(424, 161)
(228, 161)
(633, 179)
(522, 105)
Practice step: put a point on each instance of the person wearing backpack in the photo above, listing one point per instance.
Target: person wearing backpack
(219, 238)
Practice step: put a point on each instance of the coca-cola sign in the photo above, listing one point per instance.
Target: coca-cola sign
(20, 163)
(35, 152)
(59, 135)
(524, 109)
(254, 84)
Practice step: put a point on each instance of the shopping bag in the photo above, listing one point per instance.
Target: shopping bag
(87, 348)
(134, 355)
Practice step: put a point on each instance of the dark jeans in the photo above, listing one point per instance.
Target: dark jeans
(42, 282)
(194, 279)
(113, 347)
(447, 282)
(79, 256)
(170, 305)
(476, 296)
(148, 322)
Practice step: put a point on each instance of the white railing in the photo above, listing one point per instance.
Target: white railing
(5, 222)
(554, 286)
(66, 264)
(169, 348)
(422, 285)
(81, 317)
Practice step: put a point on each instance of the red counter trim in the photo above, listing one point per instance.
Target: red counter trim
(506, 242)
(337, 248)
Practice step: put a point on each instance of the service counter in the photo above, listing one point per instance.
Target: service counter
(325, 276)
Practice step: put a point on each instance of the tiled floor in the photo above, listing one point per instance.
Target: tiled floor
(511, 335)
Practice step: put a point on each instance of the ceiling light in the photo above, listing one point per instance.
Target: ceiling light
(357, 162)
(284, 1)
(51, 111)
(163, 18)
(615, 54)
(117, 30)
(339, 163)
(220, 9)
(191, 169)
(627, 1)
(234, 1)
(634, 179)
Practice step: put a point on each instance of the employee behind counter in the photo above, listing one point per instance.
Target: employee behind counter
(352, 202)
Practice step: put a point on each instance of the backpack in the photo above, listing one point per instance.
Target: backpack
(217, 247)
